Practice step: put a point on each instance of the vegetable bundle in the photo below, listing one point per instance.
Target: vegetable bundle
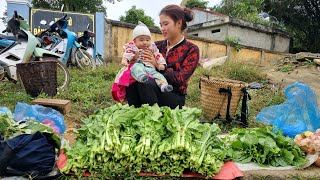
(9, 128)
(263, 146)
(149, 139)
(310, 143)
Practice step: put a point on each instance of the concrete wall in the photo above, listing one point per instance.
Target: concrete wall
(263, 40)
(248, 36)
(208, 34)
(118, 35)
(202, 16)
(282, 44)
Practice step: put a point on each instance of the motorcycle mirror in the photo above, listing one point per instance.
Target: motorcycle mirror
(62, 7)
(88, 26)
(43, 22)
(16, 14)
(52, 22)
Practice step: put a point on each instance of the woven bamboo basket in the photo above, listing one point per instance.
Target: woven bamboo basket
(39, 77)
(317, 163)
(214, 103)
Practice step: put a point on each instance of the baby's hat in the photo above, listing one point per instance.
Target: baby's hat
(141, 29)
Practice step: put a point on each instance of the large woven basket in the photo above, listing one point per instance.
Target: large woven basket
(39, 77)
(214, 102)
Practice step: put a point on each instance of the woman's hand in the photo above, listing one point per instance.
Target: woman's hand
(149, 57)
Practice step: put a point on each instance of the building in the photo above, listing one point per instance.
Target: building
(215, 26)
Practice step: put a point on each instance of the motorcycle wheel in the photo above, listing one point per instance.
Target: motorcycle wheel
(84, 59)
(100, 61)
(63, 74)
(2, 73)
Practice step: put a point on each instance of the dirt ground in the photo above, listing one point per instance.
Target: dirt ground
(69, 134)
(312, 172)
(311, 77)
(307, 75)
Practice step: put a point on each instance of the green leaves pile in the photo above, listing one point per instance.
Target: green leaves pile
(9, 128)
(149, 139)
(263, 146)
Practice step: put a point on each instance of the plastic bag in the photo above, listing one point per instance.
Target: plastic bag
(5, 110)
(297, 114)
(42, 114)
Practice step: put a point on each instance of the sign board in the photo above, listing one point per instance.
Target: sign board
(77, 23)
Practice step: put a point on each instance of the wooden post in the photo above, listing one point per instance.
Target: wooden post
(262, 58)
(228, 51)
(63, 106)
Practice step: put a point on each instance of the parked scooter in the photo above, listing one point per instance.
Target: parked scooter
(67, 47)
(26, 48)
(86, 43)
(6, 41)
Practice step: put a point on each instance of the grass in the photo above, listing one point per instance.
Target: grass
(285, 67)
(236, 71)
(90, 90)
(309, 63)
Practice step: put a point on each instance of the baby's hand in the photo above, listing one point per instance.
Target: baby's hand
(124, 62)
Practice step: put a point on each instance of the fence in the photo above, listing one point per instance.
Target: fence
(118, 33)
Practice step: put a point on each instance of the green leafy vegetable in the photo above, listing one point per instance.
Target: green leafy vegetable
(263, 146)
(9, 128)
(150, 139)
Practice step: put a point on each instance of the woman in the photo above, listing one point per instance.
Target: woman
(181, 56)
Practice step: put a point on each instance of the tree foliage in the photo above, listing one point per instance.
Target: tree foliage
(302, 18)
(87, 6)
(244, 9)
(134, 15)
(197, 4)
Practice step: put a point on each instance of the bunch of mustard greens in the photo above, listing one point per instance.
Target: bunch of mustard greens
(149, 139)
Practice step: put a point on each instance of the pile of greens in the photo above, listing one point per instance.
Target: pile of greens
(9, 128)
(263, 146)
(149, 139)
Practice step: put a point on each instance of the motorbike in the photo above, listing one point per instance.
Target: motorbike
(25, 48)
(5, 41)
(66, 44)
(86, 43)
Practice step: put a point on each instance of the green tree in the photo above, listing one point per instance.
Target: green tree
(135, 15)
(87, 6)
(302, 18)
(244, 9)
(197, 4)
(247, 10)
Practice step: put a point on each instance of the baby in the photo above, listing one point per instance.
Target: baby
(140, 70)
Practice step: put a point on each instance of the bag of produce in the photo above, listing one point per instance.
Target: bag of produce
(299, 113)
(310, 143)
(42, 114)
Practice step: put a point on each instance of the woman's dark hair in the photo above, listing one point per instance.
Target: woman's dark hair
(177, 13)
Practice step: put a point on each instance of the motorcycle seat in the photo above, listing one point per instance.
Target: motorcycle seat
(7, 37)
